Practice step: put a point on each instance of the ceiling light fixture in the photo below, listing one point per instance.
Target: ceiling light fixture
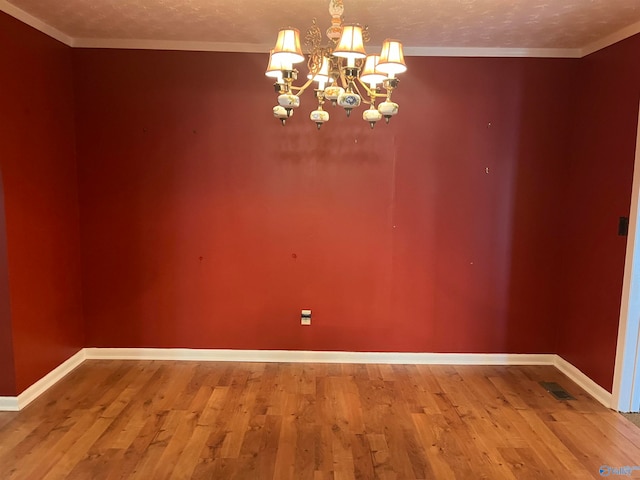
(338, 68)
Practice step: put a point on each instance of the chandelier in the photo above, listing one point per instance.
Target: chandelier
(341, 67)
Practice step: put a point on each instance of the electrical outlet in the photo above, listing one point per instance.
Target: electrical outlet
(305, 317)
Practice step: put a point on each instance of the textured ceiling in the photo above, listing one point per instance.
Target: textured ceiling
(514, 24)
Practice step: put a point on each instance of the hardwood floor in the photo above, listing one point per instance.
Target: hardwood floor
(154, 420)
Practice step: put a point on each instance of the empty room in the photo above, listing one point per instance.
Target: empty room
(322, 239)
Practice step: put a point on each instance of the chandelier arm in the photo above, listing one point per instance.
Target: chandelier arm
(343, 79)
(355, 85)
(366, 87)
(300, 90)
(371, 92)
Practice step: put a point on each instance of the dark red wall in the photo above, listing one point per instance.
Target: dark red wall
(598, 193)
(7, 372)
(40, 198)
(207, 224)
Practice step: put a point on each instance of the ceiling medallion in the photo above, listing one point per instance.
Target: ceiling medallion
(340, 67)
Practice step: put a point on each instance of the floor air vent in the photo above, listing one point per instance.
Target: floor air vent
(556, 390)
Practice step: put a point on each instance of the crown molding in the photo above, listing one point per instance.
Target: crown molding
(36, 23)
(611, 39)
(492, 52)
(181, 45)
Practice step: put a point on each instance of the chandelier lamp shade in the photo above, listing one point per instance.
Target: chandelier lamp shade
(342, 71)
(287, 50)
(351, 44)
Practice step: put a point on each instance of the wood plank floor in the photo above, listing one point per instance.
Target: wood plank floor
(155, 420)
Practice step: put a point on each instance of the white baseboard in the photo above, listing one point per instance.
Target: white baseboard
(14, 404)
(294, 356)
(9, 404)
(301, 356)
(588, 385)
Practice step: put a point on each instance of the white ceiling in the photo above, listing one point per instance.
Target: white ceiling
(560, 28)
